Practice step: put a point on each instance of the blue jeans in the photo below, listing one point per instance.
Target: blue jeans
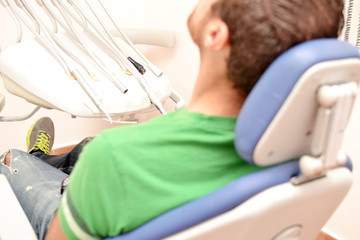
(36, 181)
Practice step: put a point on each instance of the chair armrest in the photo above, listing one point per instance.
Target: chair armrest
(13, 221)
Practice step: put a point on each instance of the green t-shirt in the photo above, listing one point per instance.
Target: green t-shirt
(129, 175)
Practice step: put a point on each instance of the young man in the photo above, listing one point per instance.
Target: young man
(129, 175)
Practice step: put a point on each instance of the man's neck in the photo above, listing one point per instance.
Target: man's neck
(215, 95)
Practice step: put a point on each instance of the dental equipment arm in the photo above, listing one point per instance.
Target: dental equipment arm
(123, 52)
(147, 91)
(71, 70)
(134, 66)
(99, 39)
(155, 70)
(97, 60)
(83, 23)
(15, 19)
(48, 9)
(178, 99)
(45, 42)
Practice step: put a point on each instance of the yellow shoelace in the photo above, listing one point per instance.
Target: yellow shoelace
(43, 142)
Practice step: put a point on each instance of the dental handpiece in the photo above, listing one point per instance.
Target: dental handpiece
(156, 71)
(101, 65)
(90, 92)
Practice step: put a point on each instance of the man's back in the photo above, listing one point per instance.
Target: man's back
(142, 171)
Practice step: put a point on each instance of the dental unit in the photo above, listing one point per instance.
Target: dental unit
(82, 66)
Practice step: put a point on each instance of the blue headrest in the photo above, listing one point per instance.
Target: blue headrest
(275, 85)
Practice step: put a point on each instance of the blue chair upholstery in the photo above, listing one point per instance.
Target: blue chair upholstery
(261, 106)
(276, 84)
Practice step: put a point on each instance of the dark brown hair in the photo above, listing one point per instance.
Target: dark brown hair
(263, 29)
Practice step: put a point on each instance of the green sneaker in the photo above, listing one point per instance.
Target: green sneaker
(41, 136)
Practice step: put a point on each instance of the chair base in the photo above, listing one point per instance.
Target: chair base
(274, 211)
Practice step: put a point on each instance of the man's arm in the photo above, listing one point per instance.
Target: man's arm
(87, 203)
(55, 232)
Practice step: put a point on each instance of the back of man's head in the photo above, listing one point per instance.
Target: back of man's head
(260, 30)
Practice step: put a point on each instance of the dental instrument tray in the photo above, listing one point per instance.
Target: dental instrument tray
(31, 72)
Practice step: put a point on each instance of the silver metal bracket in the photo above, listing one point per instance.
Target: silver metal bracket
(19, 118)
(335, 106)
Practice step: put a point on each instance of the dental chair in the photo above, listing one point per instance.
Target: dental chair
(292, 123)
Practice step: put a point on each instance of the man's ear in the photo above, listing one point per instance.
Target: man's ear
(217, 34)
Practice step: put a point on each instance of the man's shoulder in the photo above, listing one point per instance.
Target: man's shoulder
(169, 120)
